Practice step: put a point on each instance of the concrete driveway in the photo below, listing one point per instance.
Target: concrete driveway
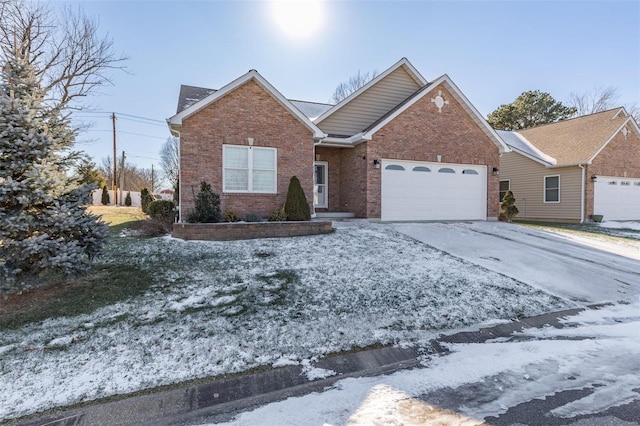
(588, 271)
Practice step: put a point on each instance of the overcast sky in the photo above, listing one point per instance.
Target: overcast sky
(493, 51)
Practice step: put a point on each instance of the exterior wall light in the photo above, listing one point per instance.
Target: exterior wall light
(594, 178)
(376, 164)
(495, 171)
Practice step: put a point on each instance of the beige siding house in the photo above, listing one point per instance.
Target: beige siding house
(572, 170)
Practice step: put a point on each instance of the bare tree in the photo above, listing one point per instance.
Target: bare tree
(170, 161)
(355, 82)
(600, 99)
(69, 57)
(135, 178)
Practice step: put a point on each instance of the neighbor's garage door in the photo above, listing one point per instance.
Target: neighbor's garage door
(617, 198)
(433, 191)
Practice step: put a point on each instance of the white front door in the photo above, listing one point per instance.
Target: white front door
(414, 190)
(320, 177)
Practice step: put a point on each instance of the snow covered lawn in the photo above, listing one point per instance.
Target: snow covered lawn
(224, 307)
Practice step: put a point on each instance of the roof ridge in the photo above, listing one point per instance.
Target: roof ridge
(569, 119)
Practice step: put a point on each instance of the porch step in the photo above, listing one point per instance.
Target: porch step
(334, 215)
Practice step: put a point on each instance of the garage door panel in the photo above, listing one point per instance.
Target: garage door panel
(422, 195)
(617, 198)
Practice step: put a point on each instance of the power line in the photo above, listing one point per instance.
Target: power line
(122, 114)
(128, 133)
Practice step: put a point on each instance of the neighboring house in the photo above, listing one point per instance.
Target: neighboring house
(573, 169)
(399, 148)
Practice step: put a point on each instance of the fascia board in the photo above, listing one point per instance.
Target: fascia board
(402, 62)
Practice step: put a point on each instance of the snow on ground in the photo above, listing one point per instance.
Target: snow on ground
(582, 268)
(635, 226)
(597, 349)
(224, 307)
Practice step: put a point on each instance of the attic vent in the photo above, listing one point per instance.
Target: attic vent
(625, 132)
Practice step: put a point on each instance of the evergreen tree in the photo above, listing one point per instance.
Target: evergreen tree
(44, 225)
(530, 109)
(508, 209)
(296, 207)
(105, 196)
(127, 199)
(207, 206)
(145, 199)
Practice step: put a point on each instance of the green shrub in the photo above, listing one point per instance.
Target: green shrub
(127, 199)
(508, 210)
(145, 199)
(278, 216)
(251, 217)
(162, 209)
(296, 207)
(231, 216)
(105, 196)
(207, 205)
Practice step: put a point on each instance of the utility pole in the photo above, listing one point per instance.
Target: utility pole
(115, 176)
(122, 170)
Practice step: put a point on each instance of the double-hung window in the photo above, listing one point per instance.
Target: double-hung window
(249, 169)
(552, 189)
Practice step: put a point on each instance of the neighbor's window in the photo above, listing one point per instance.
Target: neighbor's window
(505, 185)
(552, 189)
(249, 169)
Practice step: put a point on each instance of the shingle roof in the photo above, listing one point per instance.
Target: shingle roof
(189, 95)
(576, 140)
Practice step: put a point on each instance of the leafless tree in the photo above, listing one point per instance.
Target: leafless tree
(135, 178)
(170, 160)
(355, 82)
(69, 56)
(600, 99)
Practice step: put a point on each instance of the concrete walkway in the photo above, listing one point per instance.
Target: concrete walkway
(220, 400)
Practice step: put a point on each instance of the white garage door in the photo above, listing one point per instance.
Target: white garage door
(414, 190)
(617, 198)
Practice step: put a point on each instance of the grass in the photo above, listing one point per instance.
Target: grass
(119, 218)
(106, 285)
(584, 228)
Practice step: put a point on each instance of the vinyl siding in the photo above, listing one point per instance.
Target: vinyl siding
(527, 184)
(370, 105)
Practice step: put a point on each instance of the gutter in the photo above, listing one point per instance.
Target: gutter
(583, 192)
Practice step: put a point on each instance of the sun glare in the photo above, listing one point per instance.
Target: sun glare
(298, 19)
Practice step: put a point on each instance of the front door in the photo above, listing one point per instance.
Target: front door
(320, 195)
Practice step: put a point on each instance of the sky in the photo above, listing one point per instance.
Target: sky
(493, 51)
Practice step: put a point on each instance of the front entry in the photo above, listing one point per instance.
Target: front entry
(320, 177)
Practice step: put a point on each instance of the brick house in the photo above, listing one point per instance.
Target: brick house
(399, 148)
(573, 169)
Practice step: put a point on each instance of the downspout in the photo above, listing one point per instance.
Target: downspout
(582, 194)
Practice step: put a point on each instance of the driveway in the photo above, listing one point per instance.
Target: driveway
(584, 271)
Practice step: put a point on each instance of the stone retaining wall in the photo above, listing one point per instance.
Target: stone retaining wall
(245, 231)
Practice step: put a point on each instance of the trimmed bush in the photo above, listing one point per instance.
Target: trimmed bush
(145, 199)
(296, 208)
(162, 209)
(105, 196)
(127, 199)
(207, 206)
(231, 216)
(250, 217)
(508, 210)
(278, 216)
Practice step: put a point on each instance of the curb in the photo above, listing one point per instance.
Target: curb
(221, 400)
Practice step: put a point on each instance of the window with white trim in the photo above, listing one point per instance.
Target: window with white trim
(552, 189)
(249, 169)
(505, 185)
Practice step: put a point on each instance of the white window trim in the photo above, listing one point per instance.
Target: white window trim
(544, 193)
(508, 189)
(250, 170)
(326, 183)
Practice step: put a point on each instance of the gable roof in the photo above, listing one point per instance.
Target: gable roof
(189, 95)
(402, 63)
(175, 122)
(578, 140)
(457, 94)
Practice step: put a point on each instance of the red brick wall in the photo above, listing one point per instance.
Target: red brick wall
(353, 185)
(421, 133)
(247, 112)
(621, 157)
